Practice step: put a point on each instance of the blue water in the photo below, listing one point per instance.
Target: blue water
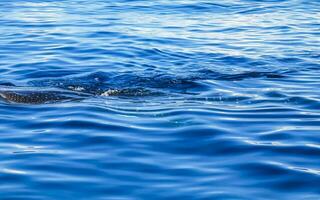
(178, 99)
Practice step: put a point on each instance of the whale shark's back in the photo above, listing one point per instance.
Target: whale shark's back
(38, 96)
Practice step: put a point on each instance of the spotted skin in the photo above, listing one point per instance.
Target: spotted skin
(37, 96)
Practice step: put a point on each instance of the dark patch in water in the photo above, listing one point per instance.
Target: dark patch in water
(246, 75)
(99, 82)
(108, 84)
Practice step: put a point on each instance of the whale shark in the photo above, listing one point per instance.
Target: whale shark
(107, 84)
(38, 95)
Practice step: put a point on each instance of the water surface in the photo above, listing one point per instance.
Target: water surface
(182, 99)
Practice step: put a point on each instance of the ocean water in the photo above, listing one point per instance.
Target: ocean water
(180, 99)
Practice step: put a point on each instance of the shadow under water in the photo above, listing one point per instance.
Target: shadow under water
(110, 84)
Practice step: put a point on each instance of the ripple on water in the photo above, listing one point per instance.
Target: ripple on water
(184, 99)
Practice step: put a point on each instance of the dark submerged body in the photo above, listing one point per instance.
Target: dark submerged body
(105, 84)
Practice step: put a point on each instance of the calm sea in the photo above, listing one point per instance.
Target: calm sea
(178, 99)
